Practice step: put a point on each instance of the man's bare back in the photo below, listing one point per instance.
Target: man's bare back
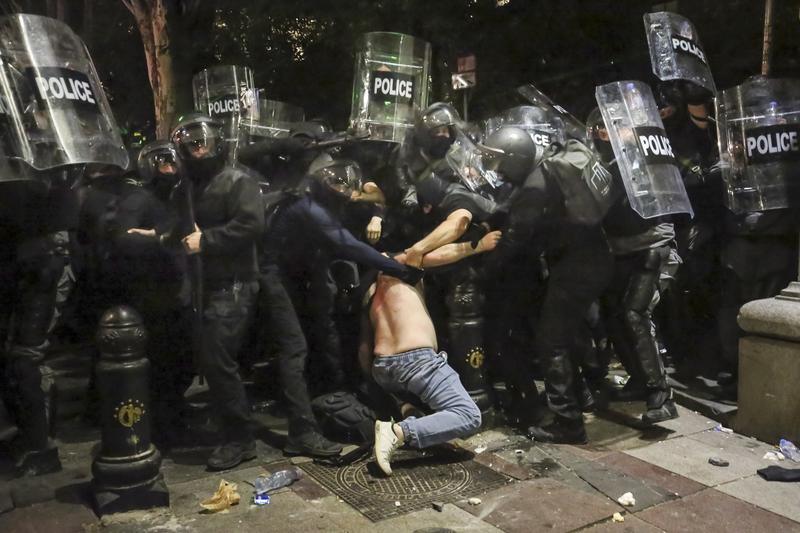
(399, 318)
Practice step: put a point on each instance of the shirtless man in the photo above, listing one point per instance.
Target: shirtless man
(400, 334)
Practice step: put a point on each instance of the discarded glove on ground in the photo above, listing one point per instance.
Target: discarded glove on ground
(225, 496)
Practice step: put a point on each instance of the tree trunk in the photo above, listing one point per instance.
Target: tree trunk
(151, 17)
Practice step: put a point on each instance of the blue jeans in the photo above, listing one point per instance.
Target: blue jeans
(426, 374)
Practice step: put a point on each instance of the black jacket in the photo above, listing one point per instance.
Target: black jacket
(229, 212)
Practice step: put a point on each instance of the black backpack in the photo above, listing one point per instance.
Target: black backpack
(344, 418)
(588, 187)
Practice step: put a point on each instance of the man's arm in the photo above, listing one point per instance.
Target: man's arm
(345, 246)
(448, 231)
(456, 251)
(370, 192)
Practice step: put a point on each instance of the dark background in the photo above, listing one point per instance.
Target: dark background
(302, 51)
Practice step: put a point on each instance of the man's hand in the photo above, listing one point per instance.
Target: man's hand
(370, 192)
(488, 242)
(191, 243)
(143, 232)
(374, 230)
(414, 257)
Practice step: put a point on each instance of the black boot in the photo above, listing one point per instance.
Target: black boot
(660, 407)
(633, 391)
(560, 431)
(37, 462)
(311, 443)
(231, 454)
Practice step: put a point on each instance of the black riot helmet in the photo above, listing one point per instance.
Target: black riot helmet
(198, 136)
(199, 140)
(514, 154)
(597, 134)
(435, 129)
(339, 176)
(314, 129)
(669, 99)
(158, 160)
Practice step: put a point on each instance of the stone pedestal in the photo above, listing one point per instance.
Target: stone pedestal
(769, 367)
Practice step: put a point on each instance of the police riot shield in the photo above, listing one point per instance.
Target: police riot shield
(543, 128)
(274, 119)
(390, 86)
(53, 110)
(469, 161)
(227, 92)
(758, 128)
(675, 50)
(556, 115)
(643, 151)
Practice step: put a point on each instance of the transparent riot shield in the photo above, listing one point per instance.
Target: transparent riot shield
(675, 50)
(556, 115)
(390, 86)
(758, 128)
(544, 128)
(227, 92)
(469, 161)
(274, 119)
(643, 151)
(53, 110)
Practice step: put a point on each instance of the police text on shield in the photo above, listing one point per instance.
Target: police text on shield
(65, 88)
(687, 46)
(772, 143)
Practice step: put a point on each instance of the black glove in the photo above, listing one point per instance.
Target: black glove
(412, 276)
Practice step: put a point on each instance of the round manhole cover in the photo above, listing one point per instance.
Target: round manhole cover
(411, 477)
(417, 480)
(406, 482)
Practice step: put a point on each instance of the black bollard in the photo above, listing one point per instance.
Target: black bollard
(127, 472)
(465, 324)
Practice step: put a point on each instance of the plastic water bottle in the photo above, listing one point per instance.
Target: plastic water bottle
(790, 450)
(266, 484)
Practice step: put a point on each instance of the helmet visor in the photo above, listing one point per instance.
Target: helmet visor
(344, 177)
(198, 141)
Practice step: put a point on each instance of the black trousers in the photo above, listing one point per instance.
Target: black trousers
(313, 293)
(577, 277)
(227, 313)
(28, 290)
(283, 331)
(169, 348)
(629, 304)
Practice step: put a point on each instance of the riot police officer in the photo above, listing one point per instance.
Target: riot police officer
(35, 250)
(155, 278)
(229, 218)
(424, 149)
(548, 215)
(641, 249)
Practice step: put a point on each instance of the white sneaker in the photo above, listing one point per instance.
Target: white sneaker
(386, 442)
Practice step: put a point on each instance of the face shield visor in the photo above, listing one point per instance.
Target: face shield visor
(198, 141)
(342, 177)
